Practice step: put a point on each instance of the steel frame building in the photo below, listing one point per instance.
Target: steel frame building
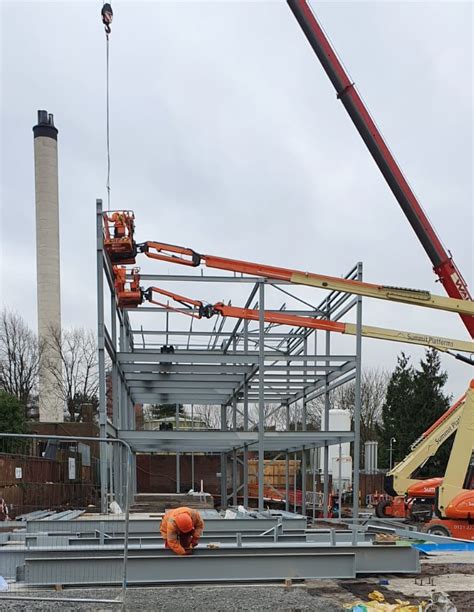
(231, 370)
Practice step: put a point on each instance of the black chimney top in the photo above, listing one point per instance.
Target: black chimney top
(45, 126)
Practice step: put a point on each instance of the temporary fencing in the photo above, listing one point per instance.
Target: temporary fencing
(52, 533)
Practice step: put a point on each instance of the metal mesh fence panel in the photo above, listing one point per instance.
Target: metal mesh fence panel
(53, 534)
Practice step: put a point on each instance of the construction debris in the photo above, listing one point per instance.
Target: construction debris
(377, 602)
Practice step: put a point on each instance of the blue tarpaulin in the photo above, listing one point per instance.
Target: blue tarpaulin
(449, 546)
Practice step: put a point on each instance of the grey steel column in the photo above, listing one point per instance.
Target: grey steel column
(123, 389)
(314, 451)
(223, 461)
(131, 412)
(287, 462)
(101, 359)
(234, 455)
(246, 420)
(178, 471)
(303, 452)
(123, 403)
(303, 481)
(124, 410)
(192, 454)
(117, 449)
(326, 425)
(340, 480)
(357, 403)
(294, 477)
(261, 393)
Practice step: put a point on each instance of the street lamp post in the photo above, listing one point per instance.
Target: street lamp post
(392, 440)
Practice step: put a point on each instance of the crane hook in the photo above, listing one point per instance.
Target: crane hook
(107, 16)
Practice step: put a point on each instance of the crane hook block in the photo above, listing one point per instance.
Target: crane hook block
(107, 17)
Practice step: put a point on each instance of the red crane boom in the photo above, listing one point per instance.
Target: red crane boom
(443, 264)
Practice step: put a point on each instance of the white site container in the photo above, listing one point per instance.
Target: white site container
(339, 420)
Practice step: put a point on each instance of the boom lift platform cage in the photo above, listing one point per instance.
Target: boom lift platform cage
(243, 371)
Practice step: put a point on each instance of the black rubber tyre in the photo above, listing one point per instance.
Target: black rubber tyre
(439, 530)
(380, 508)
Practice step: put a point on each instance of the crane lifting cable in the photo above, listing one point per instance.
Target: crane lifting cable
(107, 17)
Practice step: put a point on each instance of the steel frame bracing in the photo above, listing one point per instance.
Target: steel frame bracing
(241, 370)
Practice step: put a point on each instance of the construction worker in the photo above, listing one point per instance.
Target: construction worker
(118, 219)
(120, 275)
(181, 529)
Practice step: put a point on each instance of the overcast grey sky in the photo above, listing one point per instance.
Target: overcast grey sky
(227, 137)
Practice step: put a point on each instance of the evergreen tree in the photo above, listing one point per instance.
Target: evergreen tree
(165, 411)
(12, 420)
(430, 403)
(397, 413)
(414, 401)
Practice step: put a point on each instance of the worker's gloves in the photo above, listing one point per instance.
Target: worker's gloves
(194, 542)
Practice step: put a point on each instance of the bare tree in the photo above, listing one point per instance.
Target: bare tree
(209, 416)
(373, 390)
(374, 387)
(20, 355)
(76, 373)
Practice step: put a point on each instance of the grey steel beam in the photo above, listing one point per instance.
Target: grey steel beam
(212, 334)
(369, 558)
(144, 540)
(202, 278)
(149, 356)
(269, 378)
(152, 526)
(194, 398)
(227, 538)
(200, 567)
(225, 441)
(191, 378)
(248, 562)
(192, 368)
(218, 386)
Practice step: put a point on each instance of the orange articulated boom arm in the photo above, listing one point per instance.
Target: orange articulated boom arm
(194, 306)
(199, 311)
(278, 318)
(188, 257)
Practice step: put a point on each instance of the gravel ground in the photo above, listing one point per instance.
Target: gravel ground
(173, 599)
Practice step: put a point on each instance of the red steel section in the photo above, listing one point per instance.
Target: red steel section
(443, 264)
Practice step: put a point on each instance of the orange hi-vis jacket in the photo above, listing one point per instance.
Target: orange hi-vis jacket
(171, 533)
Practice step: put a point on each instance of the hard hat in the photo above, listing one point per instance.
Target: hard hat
(184, 522)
